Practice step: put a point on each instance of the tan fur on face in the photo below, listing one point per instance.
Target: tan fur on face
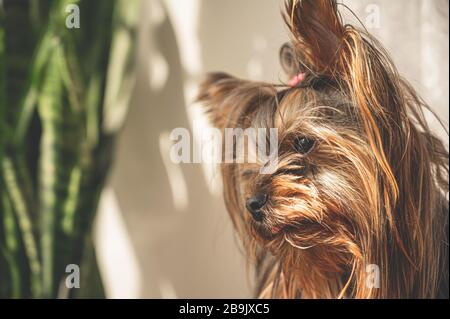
(374, 190)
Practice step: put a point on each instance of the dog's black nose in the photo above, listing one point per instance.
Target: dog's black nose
(255, 204)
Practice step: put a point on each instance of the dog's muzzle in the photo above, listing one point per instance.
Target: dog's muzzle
(255, 204)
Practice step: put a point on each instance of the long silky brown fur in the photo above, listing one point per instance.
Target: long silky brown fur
(373, 191)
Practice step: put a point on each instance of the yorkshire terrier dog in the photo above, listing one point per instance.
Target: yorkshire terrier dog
(361, 180)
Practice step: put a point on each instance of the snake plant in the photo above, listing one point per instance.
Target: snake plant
(63, 96)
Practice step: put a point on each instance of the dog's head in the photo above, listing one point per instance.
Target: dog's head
(358, 172)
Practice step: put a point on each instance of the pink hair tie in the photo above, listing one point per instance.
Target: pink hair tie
(296, 80)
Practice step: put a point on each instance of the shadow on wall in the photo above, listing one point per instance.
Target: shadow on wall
(179, 234)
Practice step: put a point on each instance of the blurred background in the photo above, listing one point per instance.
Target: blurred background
(162, 229)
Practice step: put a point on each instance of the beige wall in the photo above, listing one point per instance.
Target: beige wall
(162, 230)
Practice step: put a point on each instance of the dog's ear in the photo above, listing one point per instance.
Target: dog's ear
(213, 92)
(228, 100)
(316, 31)
(290, 61)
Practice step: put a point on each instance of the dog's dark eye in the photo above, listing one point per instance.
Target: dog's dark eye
(304, 145)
